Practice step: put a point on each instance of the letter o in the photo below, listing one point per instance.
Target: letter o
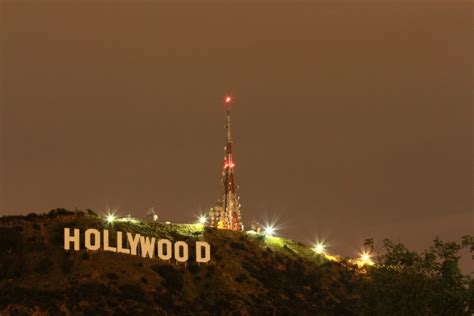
(169, 249)
(177, 256)
(88, 240)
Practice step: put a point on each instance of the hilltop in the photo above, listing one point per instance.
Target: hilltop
(247, 274)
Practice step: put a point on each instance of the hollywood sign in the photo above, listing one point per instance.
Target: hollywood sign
(136, 245)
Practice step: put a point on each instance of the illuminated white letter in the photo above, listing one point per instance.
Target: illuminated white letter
(169, 250)
(147, 246)
(119, 244)
(106, 242)
(207, 251)
(96, 234)
(133, 241)
(68, 238)
(177, 255)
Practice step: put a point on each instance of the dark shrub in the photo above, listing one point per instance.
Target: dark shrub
(18, 228)
(59, 212)
(44, 266)
(112, 276)
(91, 213)
(90, 291)
(237, 245)
(66, 266)
(31, 216)
(193, 268)
(133, 292)
(241, 278)
(174, 279)
(85, 255)
(94, 310)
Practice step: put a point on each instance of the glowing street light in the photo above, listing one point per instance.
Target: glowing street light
(202, 219)
(319, 248)
(365, 259)
(110, 218)
(269, 231)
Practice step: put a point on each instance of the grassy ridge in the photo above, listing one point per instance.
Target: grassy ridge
(249, 274)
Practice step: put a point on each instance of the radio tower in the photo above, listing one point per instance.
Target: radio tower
(226, 214)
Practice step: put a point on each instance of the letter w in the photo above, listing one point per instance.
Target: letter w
(147, 246)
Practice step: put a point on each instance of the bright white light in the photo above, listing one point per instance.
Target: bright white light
(110, 218)
(269, 231)
(319, 248)
(365, 258)
(228, 99)
(202, 219)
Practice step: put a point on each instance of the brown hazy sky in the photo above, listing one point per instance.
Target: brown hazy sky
(352, 119)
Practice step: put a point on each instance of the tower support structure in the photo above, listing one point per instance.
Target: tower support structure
(226, 214)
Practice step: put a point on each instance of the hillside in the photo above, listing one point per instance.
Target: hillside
(247, 274)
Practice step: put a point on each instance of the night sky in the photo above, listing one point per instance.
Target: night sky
(351, 119)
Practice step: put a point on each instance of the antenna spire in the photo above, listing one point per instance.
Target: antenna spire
(228, 103)
(226, 214)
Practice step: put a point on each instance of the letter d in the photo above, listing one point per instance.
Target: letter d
(200, 245)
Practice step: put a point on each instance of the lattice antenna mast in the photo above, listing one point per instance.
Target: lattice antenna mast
(228, 179)
(228, 215)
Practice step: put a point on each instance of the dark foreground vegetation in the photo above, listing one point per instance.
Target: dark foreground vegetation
(248, 275)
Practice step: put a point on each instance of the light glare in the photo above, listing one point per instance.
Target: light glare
(202, 220)
(110, 218)
(269, 231)
(319, 248)
(365, 259)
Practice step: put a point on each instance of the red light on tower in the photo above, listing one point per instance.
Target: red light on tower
(228, 99)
